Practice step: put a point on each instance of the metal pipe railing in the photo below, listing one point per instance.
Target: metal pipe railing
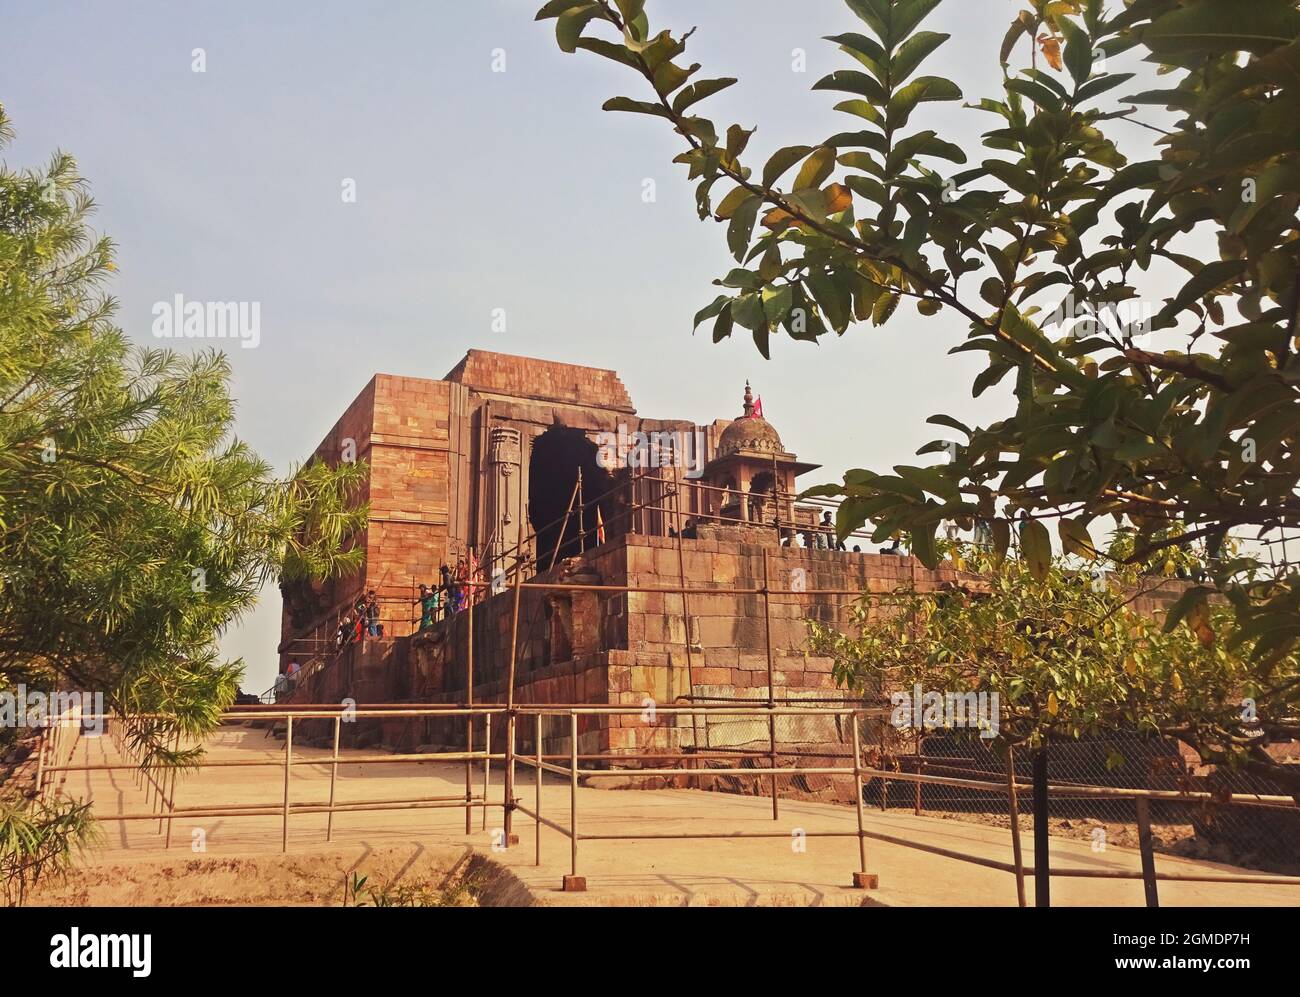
(622, 764)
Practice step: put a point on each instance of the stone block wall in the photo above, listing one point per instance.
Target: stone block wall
(630, 648)
(545, 380)
(402, 428)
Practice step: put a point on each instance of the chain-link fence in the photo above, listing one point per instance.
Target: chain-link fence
(1263, 836)
(1260, 836)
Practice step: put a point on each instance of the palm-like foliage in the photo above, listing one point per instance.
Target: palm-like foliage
(134, 525)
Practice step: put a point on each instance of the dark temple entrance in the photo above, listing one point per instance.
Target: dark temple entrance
(560, 455)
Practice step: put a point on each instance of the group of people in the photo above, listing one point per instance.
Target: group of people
(820, 537)
(285, 681)
(452, 593)
(449, 596)
(361, 623)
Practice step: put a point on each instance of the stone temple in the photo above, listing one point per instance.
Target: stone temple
(546, 470)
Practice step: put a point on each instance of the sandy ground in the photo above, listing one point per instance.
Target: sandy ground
(238, 860)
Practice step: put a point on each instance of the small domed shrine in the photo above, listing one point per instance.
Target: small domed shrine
(752, 475)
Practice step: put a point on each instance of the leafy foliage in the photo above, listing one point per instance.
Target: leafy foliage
(39, 839)
(1176, 417)
(454, 891)
(1072, 652)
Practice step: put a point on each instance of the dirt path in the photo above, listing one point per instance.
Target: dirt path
(237, 859)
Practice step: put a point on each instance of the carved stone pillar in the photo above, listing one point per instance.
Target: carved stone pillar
(504, 480)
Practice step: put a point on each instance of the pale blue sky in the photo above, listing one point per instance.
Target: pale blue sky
(475, 191)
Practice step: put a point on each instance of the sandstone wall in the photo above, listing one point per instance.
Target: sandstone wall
(548, 380)
(405, 429)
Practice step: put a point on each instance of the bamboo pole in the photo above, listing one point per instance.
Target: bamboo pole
(771, 686)
(537, 844)
(334, 771)
(469, 718)
(288, 764)
(573, 794)
(1042, 870)
(1147, 853)
(487, 763)
(920, 770)
(582, 520)
(861, 879)
(564, 524)
(40, 765)
(170, 774)
(686, 613)
(171, 795)
(1014, 808)
(508, 796)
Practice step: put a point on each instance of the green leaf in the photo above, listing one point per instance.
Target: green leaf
(862, 109)
(852, 81)
(1214, 276)
(1281, 179)
(742, 227)
(743, 279)
(1078, 51)
(737, 139)
(781, 161)
(722, 326)
(1000, 534)
(866, 139)
(1193, 598)
(1036, 547)
(1100, 85)
(638, 106)
(669, 76)
(1214, 26)
(816, 169)
(833, 297)
(993, 291)
(1131, 176)
(950, 422)
(710, 310)
(862, 48)
(924, 88)
(1013, 175)
(923, 546)
(932, 479)
(884, 308)
(776, 302)
(871, 12)
(747, 310)
(904, 16)
(912, 53)
(734, 199)
(924, 143)
(1036, 92)
(610, 50)
(568, 29)
(1075, 539)
(553, 8)
(1023, 24)
(699, 90)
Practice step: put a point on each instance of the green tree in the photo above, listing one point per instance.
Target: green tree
(1181, 425)
(1070, 652)
(39, 838)
(134, 526)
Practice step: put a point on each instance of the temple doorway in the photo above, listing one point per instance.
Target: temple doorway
(561, 456)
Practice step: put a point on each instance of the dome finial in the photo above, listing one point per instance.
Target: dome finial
(749, 401)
